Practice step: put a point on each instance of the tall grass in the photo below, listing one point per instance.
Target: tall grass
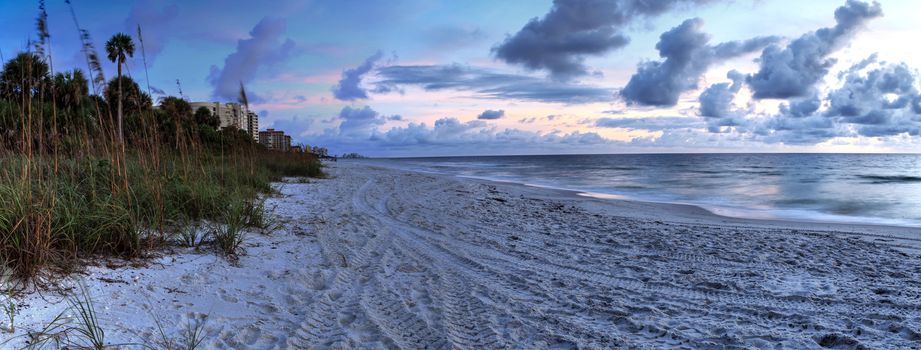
(7, 301)
(77, 327)
(89, 333)
(70, 189)
(228, 236)
(190, 337)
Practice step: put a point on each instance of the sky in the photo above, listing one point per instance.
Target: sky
(438, 78)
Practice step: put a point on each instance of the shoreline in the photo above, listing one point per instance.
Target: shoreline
(376, 257)
(662, 195)
(907, 238)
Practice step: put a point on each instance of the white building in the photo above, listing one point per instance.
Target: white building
(233, 114)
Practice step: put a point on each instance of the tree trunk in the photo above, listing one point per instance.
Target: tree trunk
(121, 133)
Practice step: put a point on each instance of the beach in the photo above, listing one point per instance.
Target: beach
(375, 257)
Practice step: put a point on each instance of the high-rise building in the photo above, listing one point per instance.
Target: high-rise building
(252, 124)
(275, 140)
(232, 114)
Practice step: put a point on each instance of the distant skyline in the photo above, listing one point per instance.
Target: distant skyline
(423, 78)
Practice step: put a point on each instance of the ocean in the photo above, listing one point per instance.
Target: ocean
(848, 188)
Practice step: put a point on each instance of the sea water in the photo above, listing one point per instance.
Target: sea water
(854, 188)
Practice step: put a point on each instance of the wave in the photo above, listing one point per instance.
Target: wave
(884, 179)
(761, 172)
(622, 168)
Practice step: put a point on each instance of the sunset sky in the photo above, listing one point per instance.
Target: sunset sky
(420, 77)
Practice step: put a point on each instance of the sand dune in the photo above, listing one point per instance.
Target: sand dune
(383, 258)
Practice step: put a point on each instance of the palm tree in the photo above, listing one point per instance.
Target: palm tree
(71, 89)
(118, 48)
(23, 75)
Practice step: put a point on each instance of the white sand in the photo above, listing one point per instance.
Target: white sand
(382, 258)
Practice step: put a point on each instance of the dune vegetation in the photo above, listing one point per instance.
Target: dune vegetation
(94, 167)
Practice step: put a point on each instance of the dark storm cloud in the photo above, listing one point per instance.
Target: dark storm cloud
(349, 87)
(574, 29)
(488, 84)
(793, 71)
(491, 114)
(687, 57)
(264, 49)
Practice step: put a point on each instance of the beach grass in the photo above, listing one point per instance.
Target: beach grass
(190, 337)
(229, 234)
(80, 178)
(67, 209)
(90, 169)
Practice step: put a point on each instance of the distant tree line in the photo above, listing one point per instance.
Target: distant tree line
(352, 155)
(27, 87)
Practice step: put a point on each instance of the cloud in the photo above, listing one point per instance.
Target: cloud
(295, 126)
(574, 29)
(874, 100)
(359, 121)
(687, 57)
(716, 100)
(491, 114)
(650, 123)
(807, 130)
(488, 84)
(263, 49)
(154, 21)
(451, 37)
(348, 88)
(361, 130)
(802, 107)
(793, 71)
(879, 102)
(452, 136)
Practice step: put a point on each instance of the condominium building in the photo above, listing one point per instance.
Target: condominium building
(233, 114)
(275, 140)
(252, 124)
